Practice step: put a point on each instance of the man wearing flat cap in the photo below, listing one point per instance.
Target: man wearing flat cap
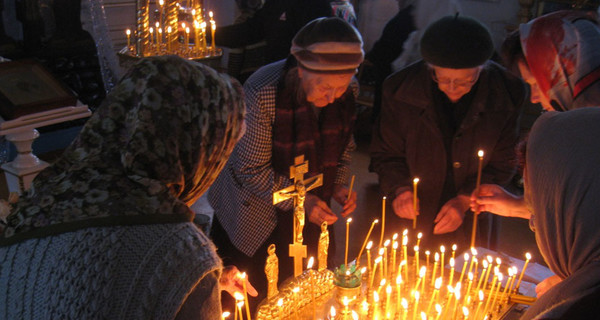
(303, 105)
(436, 114)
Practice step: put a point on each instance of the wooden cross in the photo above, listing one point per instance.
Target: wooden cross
(297, 191)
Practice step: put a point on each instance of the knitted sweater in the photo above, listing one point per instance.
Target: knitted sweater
(124, 272)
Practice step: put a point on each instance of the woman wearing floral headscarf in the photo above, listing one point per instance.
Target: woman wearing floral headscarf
(558, 54)
(107, 232)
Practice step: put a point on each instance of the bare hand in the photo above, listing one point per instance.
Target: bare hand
(495, 199)
(451, 215)
(231, 281)
(403, 205)
(546, 284)
(340, 194)
(318, 210)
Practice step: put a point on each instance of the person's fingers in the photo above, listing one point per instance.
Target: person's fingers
(250, 288)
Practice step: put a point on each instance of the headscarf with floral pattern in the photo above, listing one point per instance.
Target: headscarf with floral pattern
(154, 146)
(562, 50)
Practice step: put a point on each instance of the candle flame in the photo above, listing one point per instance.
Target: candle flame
(452, 262)
(375, 296)
(369, 245)
(416, 180)
(473, 251)
(280, 302)
(395, 236)
(238, 295)
(169, 29)
(465, 311)
(378, 260)
(438, 308)
(498, 261)
(427, 252)
(345, 301)
(480, 154)
(416, 248)
(442, 249)
(398, 279)
(405, 232)
(395, 246)
(419, 235)
(528, 256)
(311, 260)
(161, 2)
(404, 303)
(417, 295)
(226, 314)
(128, 32)
(332, 311)
(422, 272)
(404, 240)
(157, 24)
(454, 247)
(438, 283)
(365, 306)
(151, 30)
(382, 283)
(485, 264)
(500, 276)
(388, 290)
(490, 259)
(240, 304)
(183, 25)
(349, 220)
(466, 256)
(386, 243)
(376, 221)
(423, 315)
(480, 295)
(242, 275)
(381, 251)
(296, 289)
(354, 315)
(210, 14)
(363, 270)
(436, 257)
(470, 276)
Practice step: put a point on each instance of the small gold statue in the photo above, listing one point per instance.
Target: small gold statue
(323, 246)
(272, 272)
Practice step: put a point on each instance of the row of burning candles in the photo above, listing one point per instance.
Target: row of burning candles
(159, 37)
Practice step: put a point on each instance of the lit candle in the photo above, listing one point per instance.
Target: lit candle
(436, 258)
(404, 243)
(128, 33)
(347, 238)
(416, 305)
(462, 273)
(394, 248)
(489, 299)
(151, 30)
(398, 290)
(468, 292)
(213, 27)
(351, 185)
(497, 292)
(479, 304)
(382, 267)
(452, 262)
(225, 315)
(434, 295)
(465, 311)
(419, 236)
(415, 203)
(483, 272)
(427, 253)
(473, 258)
(375, 305)
(385, 257)
(382, 221)
(453, 250)
(369, 267)
(404, 308)
(169, 30)
(197, 36)
(203, 28)
(416, 248)
(528, 257)
(475, 214)
(438, 309)
(239, 298)
(187, 38)
(442, 264)
(514, 272)
(161, 11)
(388, 295)
(243, 277)
(421, 276)
(365, 242)
(377, 261)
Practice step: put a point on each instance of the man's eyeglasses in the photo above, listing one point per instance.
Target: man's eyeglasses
(457, 82)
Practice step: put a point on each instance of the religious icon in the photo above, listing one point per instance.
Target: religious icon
(272, 272)
(323, 246)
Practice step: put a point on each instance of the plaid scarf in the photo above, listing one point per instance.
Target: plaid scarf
(299, 131)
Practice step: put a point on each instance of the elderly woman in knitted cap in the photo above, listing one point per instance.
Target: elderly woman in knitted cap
(436, 114)
(300, 106)
(107, 232)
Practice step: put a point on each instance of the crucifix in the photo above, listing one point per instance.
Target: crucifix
(297, 191)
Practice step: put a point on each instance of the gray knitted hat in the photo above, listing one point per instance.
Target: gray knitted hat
(456, 42)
